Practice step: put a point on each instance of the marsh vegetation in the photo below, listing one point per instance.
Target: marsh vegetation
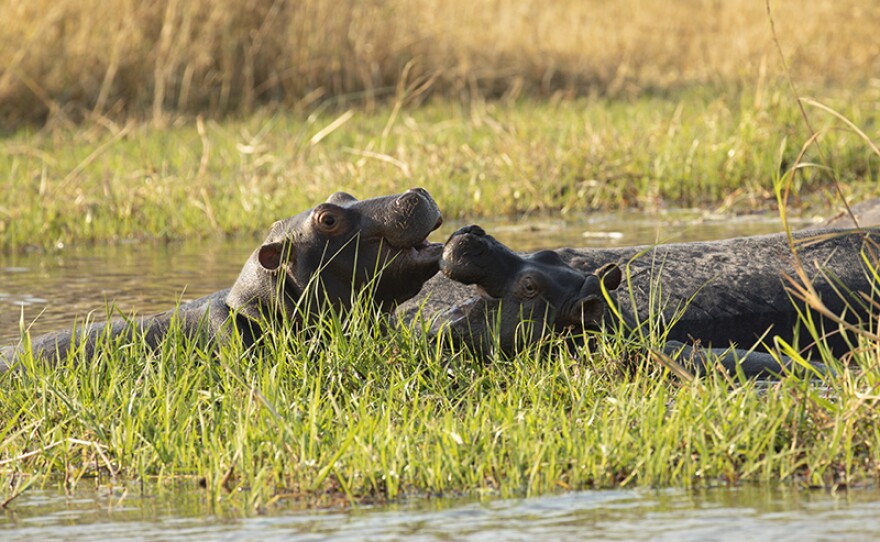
(173, 120)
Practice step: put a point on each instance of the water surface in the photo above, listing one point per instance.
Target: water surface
(736, 514)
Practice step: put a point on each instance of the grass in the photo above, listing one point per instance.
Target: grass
(349, 415)
(99, 182)
(506, 107)
(345, 414)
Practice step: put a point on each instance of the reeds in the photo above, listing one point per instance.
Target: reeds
(69, 59)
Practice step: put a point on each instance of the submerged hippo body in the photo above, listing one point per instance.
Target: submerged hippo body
(341, 248)
(713, 294)
(734, 291)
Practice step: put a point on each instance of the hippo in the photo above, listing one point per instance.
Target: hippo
(338, 249)
(539, 290)
(707, 297)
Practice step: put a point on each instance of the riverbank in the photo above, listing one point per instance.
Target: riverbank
(693, 148)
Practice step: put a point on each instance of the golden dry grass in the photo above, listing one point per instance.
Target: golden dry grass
(65, 59)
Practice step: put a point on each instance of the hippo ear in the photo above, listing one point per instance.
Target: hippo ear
(271, 255)
(585, 312)
(340, 198)
(610, 275)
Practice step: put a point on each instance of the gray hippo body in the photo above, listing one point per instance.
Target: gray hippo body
(339, 248)
(712, 294)
(734, 291)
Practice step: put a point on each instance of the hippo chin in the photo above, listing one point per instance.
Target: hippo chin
(338, 249)
(716, 295)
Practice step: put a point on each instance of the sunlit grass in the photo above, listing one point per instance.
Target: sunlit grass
(346, 413)
(65, 60)
(98, 183)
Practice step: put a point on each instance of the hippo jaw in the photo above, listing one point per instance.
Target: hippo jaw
(520, 299)
(395, 231)
(343, 246)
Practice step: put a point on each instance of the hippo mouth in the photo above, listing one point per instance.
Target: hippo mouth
(418, 252)
(422, 253)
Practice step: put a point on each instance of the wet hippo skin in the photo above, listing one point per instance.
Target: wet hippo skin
(343, 246)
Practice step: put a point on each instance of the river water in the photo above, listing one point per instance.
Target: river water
(47, 291)
(736, 514)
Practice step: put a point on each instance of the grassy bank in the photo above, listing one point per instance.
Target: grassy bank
(100, 182)
(66, 60)
(679, 109)
(354, 416)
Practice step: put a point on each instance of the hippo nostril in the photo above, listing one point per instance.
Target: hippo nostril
(409, 201)
(473, 229)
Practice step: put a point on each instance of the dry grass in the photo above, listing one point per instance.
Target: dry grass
(66, 59)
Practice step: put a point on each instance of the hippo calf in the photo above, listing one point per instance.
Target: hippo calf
(713, 294)
(338, 249)
(521, 299)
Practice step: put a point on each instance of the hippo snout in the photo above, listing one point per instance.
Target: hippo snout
(471, 256)
(404, 220)
(472, 229)
(414, 201)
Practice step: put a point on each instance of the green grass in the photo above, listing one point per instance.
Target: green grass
(346, 414)
(350, 415)
(105, 182)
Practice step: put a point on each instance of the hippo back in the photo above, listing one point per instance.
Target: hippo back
(735, 290)
(716, 292)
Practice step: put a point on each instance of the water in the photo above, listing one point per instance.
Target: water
(735, 514)
(47, 292)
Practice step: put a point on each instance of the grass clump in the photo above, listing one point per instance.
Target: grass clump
(350, 414)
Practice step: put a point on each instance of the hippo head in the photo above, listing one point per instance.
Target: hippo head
(341, 247)
(521, 298)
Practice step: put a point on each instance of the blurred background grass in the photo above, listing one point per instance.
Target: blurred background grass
(170, 119)
(69, 59)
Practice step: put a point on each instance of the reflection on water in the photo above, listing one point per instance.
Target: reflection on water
(46, 292)
(736, 514)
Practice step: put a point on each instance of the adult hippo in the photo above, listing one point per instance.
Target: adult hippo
(340, 248)
(714, 294)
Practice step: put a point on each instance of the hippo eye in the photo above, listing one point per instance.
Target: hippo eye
(327, 221)
(527, 287)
